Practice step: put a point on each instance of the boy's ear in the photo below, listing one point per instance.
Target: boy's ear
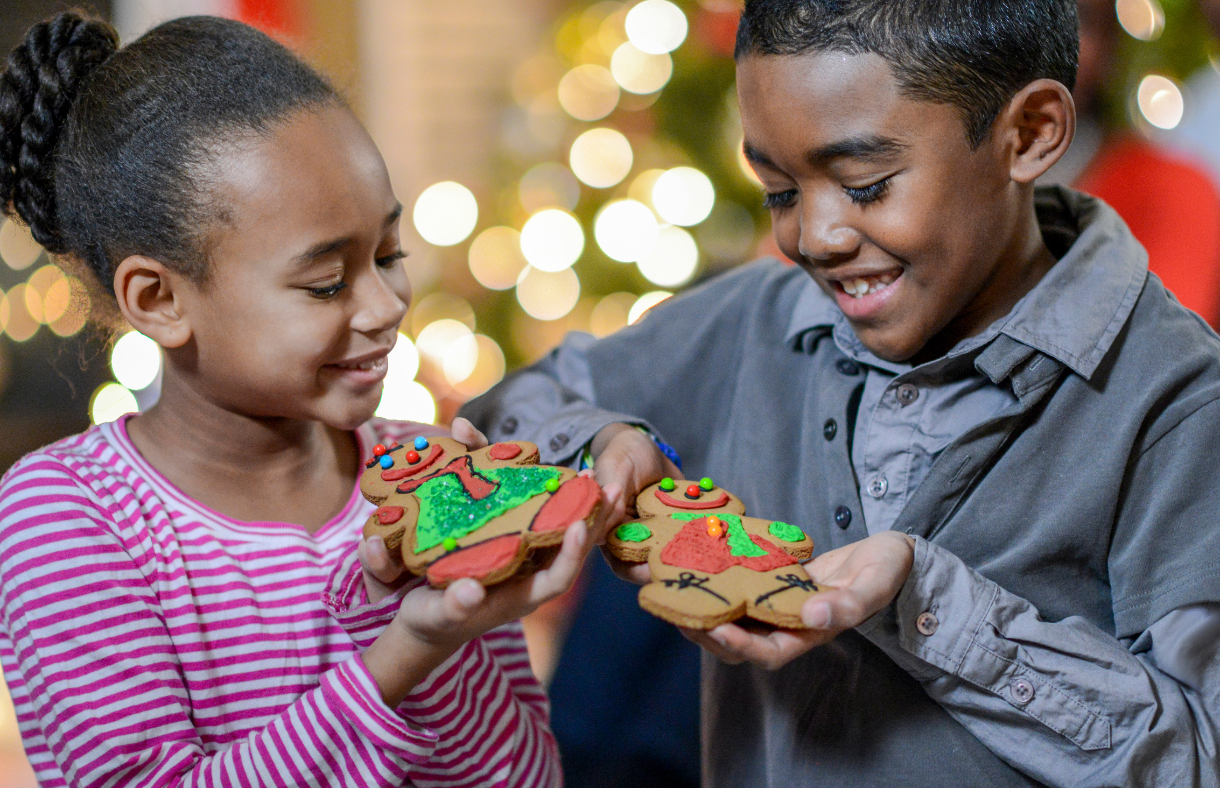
(148, 294)
(1040, 121)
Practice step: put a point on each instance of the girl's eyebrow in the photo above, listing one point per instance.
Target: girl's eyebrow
(319, 250)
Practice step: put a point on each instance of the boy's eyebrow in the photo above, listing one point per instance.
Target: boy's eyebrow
(871, 148)
(328, 247)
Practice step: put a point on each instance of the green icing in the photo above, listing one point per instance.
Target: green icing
(786, 532)
(632, 532)
(446, 510)
(740, 544)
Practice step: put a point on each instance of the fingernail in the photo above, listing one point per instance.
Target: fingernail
(817, 615)
(377, 546)
(469, 593)
(719, 637)
(582, 533)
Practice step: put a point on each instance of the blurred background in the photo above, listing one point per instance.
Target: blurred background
(566, 165)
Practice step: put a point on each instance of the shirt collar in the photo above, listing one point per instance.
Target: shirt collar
(1073, 314)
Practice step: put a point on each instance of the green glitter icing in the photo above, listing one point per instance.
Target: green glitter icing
(632, 532)
(447, 510)
(740, 544)
(786, 532)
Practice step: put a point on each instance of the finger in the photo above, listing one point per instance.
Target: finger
(612, 495)
(376, 560)
(639, 574)
(837, 610)
(465, 432)
(559, 576)
(460, 600)
(704, 641)
(771, 651)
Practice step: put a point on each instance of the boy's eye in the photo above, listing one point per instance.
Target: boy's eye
(330, 291)
(389, 260)
(779, 199)
(868, 194)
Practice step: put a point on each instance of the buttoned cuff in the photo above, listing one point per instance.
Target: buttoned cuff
(347, 601)
(352, 693)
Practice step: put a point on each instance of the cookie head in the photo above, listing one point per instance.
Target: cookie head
(673, 495)
(391, 466)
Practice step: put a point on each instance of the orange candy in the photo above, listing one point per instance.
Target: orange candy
(714, 527)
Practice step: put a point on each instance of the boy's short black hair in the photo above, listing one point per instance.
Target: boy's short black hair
(970, 54)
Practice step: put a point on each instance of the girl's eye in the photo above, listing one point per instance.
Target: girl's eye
(389, 260)
(779, 199)
(330, 291)
(868, 194)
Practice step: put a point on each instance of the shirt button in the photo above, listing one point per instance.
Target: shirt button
(847, 366)
(509, 425)
(877, 486)
(830, 429)
(1022, 691)
(926, 624)
(907, 393)
(842, 517)
(559, 441)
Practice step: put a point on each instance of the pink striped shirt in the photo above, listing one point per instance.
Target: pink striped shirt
(150, 641)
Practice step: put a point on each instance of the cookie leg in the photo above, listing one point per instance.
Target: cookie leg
(695, 600)
(489, 561)
(776, 597)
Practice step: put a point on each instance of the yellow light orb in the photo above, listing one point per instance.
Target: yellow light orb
(460, 359)
(638, 72)
(552, 240)
(656, 26)
(445, 213)
(1142, 19)
(644, 303)
(588, 92)
(411, 402)
(15, 317)
(673, 260)
(640, 189)
(495, 258)
(435, 340)
(76, 314)
(438, 306)
(548, 295)
(683, 196)
(625, 230)
(1160, 101)
(135, 360)
(403, 362)
(110, 401)
(17, 246)
(488, 369)
(601, 157)
(611, 313)
(548, 185)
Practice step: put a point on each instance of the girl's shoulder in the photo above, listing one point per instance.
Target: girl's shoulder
(93, 460)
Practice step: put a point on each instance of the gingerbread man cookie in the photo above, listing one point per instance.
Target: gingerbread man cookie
(454, 513)
(709, 563)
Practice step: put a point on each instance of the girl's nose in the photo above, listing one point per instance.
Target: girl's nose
(381, 307)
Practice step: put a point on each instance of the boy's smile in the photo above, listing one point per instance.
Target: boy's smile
(921, 240)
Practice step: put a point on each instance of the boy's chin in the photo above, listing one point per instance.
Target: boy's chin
(890, 344)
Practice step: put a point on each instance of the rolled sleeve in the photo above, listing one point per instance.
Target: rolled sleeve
(352, 692)
(347, 601)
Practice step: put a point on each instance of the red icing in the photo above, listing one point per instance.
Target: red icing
(395, 474)
(388, 515)
(677, 503)
(504, 451)
(478, 487)
(370, 463)
(571, 502)
(692, 548)
(476, 561)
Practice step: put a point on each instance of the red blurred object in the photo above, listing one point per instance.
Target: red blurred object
(716, 28)
(282, 19)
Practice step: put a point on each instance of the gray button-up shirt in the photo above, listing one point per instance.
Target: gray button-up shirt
(1060, 534)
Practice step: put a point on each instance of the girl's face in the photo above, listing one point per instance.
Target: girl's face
(306, 287)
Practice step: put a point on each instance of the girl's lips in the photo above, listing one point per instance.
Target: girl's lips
(364, 373)
(863, 307)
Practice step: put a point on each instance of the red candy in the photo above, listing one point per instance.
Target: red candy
(413, 456)
(378, 450)
(693, 491)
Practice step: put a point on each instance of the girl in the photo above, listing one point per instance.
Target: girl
(180, 597)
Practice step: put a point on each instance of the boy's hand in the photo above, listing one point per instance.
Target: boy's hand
(863, 577)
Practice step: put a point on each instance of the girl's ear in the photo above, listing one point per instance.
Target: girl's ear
(149, 294)
(1041, 121)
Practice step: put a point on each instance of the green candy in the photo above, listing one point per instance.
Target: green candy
(706, 484)
(552, 485)
(786, 532)
(449, 543)
(632, 532)
(667, 484)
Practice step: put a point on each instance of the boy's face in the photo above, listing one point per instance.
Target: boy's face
(881, 199)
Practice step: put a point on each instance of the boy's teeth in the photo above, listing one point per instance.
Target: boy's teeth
(861, 286)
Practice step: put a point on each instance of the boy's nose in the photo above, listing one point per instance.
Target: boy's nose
(824, 235)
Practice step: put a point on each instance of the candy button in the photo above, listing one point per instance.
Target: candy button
(1022, 691)
(412, 456)
(378, 450)
(552, 485)
(386, 461)
(714, 527)
(667, 484)
(449, 543)
(706, 484)
(693, 492)
(421, 443)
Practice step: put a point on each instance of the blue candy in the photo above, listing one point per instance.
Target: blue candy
(421, 443)
(386, 461)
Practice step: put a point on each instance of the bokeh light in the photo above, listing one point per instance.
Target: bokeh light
(601, 157)
(1160, 101)
(673, 260)
(76, 314)
(683, 196)
(437, 339)
(611, 313)
(1142, 19)
(135, 360)
(656, 26)
(548, 295)
(17, 246)
(641, 186)
(625, 230)
(644, 303)
(403, 366)
(412, 402)
(488, 369)
(636, 71)
(728, 235)
(552, 240)
(747, 169)
(548, 185)
(445, 213)
(495, 258)
(110, 401)
(460, 358)
(588, 92)
(438, 306)
(15, 317)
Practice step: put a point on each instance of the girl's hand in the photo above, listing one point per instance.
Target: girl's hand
(863, 577)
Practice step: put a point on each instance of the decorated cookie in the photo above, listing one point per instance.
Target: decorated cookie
(454, 513)
(710, 564)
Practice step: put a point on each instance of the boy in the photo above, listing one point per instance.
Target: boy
(973, 396)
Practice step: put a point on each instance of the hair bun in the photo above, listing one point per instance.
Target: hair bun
(42, 78)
